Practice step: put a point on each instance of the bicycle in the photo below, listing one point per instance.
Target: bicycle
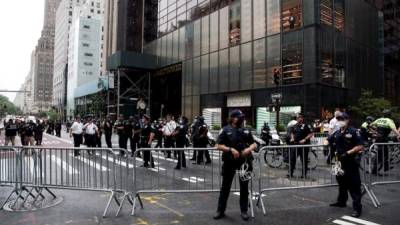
(278, 158)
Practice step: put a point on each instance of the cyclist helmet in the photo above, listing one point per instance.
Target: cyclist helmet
(386, 113)
(370, 119)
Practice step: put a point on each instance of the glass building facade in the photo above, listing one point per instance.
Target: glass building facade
(325, 52)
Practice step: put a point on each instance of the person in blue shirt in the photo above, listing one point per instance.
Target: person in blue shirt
(348, 146)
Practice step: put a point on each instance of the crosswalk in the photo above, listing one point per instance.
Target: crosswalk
(348, 220)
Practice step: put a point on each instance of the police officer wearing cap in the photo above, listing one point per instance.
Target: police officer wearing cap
(348, 145)
(180, 135)
(146, 138)
(237, 145)
(121, 127)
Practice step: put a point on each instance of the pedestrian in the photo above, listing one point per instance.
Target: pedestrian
(107, 126)
(265, 133)
(29, 131)
(193, 128)
(91, 131)
(58, 128)
(137, 128)
(301, 135)
(120, 126)
(76, 132)
(159, 133)
(200, 140)
(237, 145)
(10, 132)
(146, 139)
(39, 133)
(21, 131)
(168, 132)
(180, 134)
(99, 133)
(349, 145)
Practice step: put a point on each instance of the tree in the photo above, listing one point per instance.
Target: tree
(369, 105)
(7, 107)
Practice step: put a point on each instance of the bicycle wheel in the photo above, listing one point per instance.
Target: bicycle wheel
(273, 158)
(312, 160)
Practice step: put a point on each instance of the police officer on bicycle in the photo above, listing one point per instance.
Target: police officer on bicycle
(348, 145)
(237, 145)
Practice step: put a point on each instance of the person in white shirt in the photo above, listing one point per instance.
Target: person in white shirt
(334, 126)
(76, 132)
(91, 130)
(168, 132)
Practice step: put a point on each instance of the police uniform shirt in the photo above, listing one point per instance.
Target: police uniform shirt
(29, 129)
(11, 130)
(136, 127)
(77, 127)
(90, 128)
(301, 131)
(128, 127)
(107, 127)
(238, 139)
(346, 140)
(182, 130)
(146, 131)
(118, 124)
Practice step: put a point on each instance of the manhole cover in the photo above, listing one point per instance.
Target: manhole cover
(39, 204)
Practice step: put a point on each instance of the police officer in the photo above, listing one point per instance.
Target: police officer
(348, 145)
(237, 145)
(107, 126)
(146, 138)
(193, 128)
(137, 128)
(200, 140)
(120, 125)
(180, 134)
(29, 131)
(159, 133)
(301, 135)
(384, 126)
(265, 133)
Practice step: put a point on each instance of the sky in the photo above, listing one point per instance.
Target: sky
(21, 24)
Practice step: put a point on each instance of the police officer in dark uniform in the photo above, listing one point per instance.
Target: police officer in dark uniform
(120, 126)
(180, 134)
(301, 135)
(159, 133)
(348, 145)
(146, 138)
(265, 134)
(137, 128)
(107, 126)
(237, 145)
(200, 140)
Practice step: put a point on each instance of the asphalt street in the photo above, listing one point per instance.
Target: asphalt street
(104, 170)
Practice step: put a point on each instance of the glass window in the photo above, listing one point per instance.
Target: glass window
(292, 57)
(204, 7)
(291, 14)
(196, 76)
(189, 77)
(234, 68)
(245, 21)
(205, 39)
(309, 10)
(182, 43)
(188, 106)
(169, 48)
(213, 72)
(175, 46)
(197, 38)
(196, 105)
(326, 10)
(189, 40)
(223, 70)
(204, 74)
(259, 50)
(259, 19)
(214, 31)
(246, 70)
(163, 50)
(181, 19)
(181, 2)
(223, 28)
(273, 17)
(273, 58)
(234, 23)
(339, 15)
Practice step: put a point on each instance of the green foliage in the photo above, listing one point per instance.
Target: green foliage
(369, 105)
(216, 127)
(280, 128)
(7, 107)
(53, 115)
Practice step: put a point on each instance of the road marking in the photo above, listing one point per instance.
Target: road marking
(360, 221)
(92, 164)
(118, 162)
(63, 164)
(193, 179)
(341, 222)
(61, 139)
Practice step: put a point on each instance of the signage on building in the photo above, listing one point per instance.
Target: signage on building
(239, 100)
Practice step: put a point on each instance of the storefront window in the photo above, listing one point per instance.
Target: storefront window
(224, 28)
(234, 68)
(291, 14)
(273, 17)
(205, 39)
(259, 51)
(214, 72)
(245, 20)
(246, 71)
(223, 70)
(273, 58)
(234, 24)
(259, 19)
(204, 74)
(214, 31)
(292, 57)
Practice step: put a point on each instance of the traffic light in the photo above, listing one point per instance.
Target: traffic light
(276, 77)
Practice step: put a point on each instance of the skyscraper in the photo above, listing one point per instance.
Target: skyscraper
(44, 55)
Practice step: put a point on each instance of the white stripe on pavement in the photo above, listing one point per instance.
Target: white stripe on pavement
(92, 164)
(63, 164)
(360, 221)
(193, 179)
(118, 162)
(341, 222)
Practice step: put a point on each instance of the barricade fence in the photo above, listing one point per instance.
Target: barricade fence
(33, 171)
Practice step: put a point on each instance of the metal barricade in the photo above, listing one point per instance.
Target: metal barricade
(87, 169)
(382, 166)
(164, 178)
(319, 138)
(8, 168)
